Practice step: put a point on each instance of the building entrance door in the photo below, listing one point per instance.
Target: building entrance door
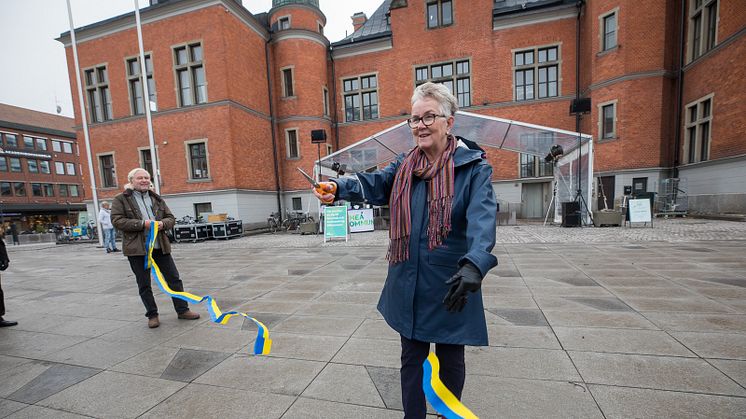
(605, 189)
(533, 200)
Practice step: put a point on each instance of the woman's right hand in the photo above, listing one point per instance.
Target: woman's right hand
(325, 192)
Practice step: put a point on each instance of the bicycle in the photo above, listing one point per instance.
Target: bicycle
(273, 222)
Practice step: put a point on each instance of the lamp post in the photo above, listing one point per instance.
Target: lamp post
(67, 203)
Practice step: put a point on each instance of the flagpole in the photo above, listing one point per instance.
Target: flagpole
(85, 124)
(146, 101)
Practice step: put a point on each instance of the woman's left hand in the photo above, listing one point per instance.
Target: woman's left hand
(467, 279)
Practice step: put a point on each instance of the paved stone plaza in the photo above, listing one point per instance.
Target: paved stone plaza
(587, 323)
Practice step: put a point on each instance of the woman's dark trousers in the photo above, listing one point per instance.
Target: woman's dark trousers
(413, 355)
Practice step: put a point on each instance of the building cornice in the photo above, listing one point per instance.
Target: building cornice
(630, 77)
(36, 129)
(362, 47)
(161, 12)
(300, 34)
(530, 17)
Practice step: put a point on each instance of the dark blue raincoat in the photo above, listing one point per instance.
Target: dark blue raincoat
(412, 298)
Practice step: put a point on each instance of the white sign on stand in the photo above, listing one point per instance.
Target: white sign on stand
(639, 211)
(360, 220)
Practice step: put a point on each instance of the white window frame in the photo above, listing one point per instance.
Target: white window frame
(284, 18)
(287, 143)
(325, 100)
(292, 86)
(359, 92)
(615, 132)
(536, 65)
(602, 30)
(697, 125)
(188, 157)
(704, 28)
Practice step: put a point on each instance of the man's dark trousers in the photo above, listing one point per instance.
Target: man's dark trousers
(413, 355)
(170, 274)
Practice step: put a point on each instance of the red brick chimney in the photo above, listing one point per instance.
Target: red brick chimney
(358, 20)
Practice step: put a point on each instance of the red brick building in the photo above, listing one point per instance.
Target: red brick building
(40, 170)
(237, 94)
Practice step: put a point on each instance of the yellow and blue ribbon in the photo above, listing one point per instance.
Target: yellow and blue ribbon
(440, 398)
(263, 343)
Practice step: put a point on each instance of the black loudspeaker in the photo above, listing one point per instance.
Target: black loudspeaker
(582, 105)
(318, 136)
(571, 214)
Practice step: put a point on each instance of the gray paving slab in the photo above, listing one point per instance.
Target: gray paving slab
(39, 412)
(309, 347)
(623, 402)
(150, 363)
(188, 364)
(499, 397)
(15, 378)
(113, 394)
(522, 336)
(305, 408)
(263, 374)
(714, 345)
(9, 362)
(688, 322)
(376, 329)
(521, 317)
(204, 401)
(9, 406)
(212, 337)
(540, 364)
(53, 380)
(628, 320)
(98, 353)
(319, 325)
(654, 372)
(735, 369)
(387, 384)
(630, 341)
(345, 383)
(373, 352)
(33, 344)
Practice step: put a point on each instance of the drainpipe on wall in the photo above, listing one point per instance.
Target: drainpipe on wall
(333, 111)
(274, 135)
(679, 91)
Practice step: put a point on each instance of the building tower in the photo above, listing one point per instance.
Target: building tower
(300, 92)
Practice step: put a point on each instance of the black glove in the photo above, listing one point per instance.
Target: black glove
(4, 264)
(467, 279)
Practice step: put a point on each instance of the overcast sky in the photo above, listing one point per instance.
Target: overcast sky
(34, 72)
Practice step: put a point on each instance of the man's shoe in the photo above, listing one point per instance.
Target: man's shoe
(7, 323)
(108, 251)
(116, 250)
(189, 315)
(153, 322)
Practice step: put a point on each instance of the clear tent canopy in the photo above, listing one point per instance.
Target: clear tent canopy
(573, 168)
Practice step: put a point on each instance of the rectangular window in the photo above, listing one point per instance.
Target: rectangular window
(201, 208)
(44, 167)
(19, 189)
(5, 189)
(608, 121)
(28, 142)
(70, 169)
(361, 98)
(108, 178)
(36, 189)
(15, 164)
(59, 168)
(99, 97)
(33, 166)
(11, 140)
(297, 204)
(73, 189)
(134, 79)
(609, 34)
(283, 23)
(702, 28)
(198, 161)
(146, 162)
(41, 144)
(439, 13)
(698, 130)
(48, 189)
(67, 147)
(3, 164)
(63, 190)
(325, 95)
(293, 150)
(458, 81)
(287, 82)
(536, 73)
(528, 165)
(56, 146)
(190, 75)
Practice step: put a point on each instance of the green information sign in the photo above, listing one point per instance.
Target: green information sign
(335, 223)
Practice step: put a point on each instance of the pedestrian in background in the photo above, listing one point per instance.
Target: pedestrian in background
(4, 262)
(14, 233)
(110, 234)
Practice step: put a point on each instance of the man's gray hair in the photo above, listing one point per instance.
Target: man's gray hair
(438, 92)
(131, 174)
(104, 203)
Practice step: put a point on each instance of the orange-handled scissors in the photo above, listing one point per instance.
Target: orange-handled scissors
(319, 186)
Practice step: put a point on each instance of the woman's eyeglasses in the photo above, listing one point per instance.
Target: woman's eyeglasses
(427, 120)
